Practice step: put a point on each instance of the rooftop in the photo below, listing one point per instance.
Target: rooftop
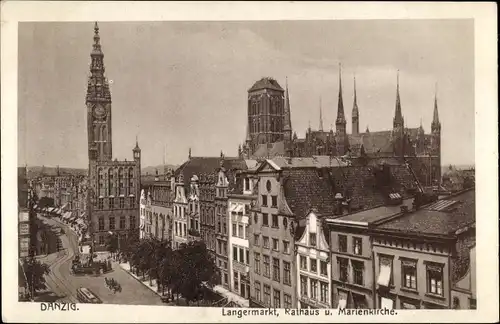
(443, 217)
(266, 83)
(373, 215)
(318, 161)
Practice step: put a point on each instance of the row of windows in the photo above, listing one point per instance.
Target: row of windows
(112, 223)
(274, 219)
(275, 246)
(312, 292)
(241, 254)
(274, 201)
(433, 275)
(275, 107)
(180, 229)
(240, 230)
(266, 270)
(241, 285)
(221, 247)
(357, 270)
(112, 203)
(265, 298)
(357, 245)
(313, 266)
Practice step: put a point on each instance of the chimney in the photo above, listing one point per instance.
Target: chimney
(404, 209)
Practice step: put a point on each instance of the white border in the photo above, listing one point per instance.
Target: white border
(484, 15)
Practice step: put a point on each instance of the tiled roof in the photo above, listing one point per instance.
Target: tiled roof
(266, 83)
(375, 214)
(270, 150)
(373, 142)
(317, 161)
(444, 222)
(305, 190)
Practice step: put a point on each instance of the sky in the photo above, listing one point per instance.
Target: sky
(184, 85)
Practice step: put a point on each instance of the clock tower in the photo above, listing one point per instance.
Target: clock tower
(98, 102)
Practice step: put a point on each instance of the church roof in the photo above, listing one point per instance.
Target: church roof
(269, 150)
(266, 83)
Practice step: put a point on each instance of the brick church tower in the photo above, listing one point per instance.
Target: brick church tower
(266, 114)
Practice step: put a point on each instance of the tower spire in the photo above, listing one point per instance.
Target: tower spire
(287, 123)
(355, 112)
(435, 118)
(320, 116)
(340, 108)
(398, 115)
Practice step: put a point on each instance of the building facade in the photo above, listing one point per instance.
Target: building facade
(114, 186)
(421, 255)
(314, 274)
(240, 201)
(272, 255)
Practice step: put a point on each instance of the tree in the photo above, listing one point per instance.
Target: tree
(198, 267)
(112, 243)
(35, 272)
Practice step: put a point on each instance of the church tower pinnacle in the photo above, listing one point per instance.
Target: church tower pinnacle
(98, 102)
(320, 116)
(398, 115)
(355, 112)
(341, 136)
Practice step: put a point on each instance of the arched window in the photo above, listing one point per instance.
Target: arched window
(96, 134)
(110, 182)
(131, 179)
(104, 135)
(120, 182)
(102, 191)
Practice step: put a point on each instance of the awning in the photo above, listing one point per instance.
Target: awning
(384, 276)
(386, 303)
(395, 195)
(237, 209)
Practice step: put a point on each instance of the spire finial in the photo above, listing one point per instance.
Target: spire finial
(136, 140)
(320, 115)
(354, 87)
(189, 154)
(96, 28)
(397, 80)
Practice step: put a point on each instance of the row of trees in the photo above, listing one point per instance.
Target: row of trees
(32, 273)
(180, 272)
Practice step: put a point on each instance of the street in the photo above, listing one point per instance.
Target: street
(63, 285)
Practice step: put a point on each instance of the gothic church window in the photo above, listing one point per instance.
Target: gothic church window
(110, 182)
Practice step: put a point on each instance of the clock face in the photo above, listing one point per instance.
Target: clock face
(99, 111)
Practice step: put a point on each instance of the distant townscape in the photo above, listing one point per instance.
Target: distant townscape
(367, 220)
